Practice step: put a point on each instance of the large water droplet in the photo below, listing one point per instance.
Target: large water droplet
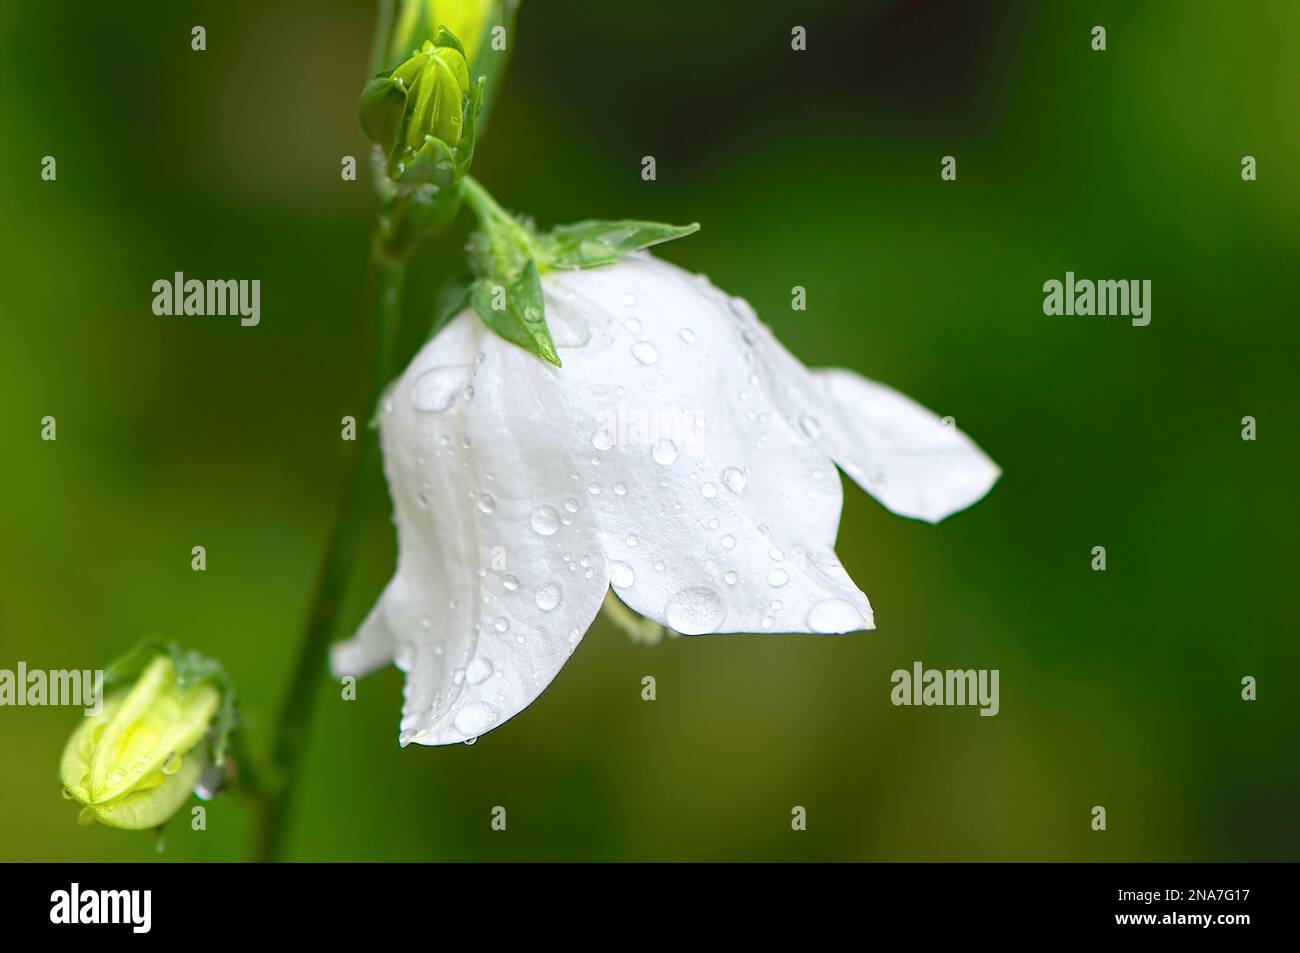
(645, 352)
(734, 479)
(696, 610)
(621, 575)
(436, 390)
(777, 578)
(478, 670)
(548, 597)
(567, 329)
(664, 452)
(475, 718)
(545, 521)
(834, 615)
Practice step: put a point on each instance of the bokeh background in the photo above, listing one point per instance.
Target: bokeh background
(819, 169)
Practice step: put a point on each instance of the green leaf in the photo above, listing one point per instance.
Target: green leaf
(593, 243)
(517, 312)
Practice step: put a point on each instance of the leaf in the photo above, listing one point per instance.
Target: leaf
(593, 243)
(521, 319)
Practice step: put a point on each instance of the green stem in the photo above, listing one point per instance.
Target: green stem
(387, 274)
(488, 212)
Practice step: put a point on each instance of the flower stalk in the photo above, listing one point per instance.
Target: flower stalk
(361, 477)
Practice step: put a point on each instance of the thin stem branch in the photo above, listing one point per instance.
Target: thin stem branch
(387, 275)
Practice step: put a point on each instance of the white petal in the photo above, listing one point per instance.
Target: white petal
(497, 578)
(899, 452)
(716, 515)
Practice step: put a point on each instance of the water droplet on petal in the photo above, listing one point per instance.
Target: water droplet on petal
(734, 479)
(664, 452)
(501, 624)
(728, 542)
(709, 491)
(545, 521)
(475, 718)
(633, 325)
(621, 575)
(511, 582)
(487, 502)
(809, 425)
(548, 597)
(730, 578)
(435, 390)
(834, 615)
(696, 610)
(571, 504)
(777, 578)
(645, 352)
(477, 670)
(602, 439)
(688, 335)
(620, 489)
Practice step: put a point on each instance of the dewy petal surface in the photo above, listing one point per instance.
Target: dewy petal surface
(904, 455)
(498, 575)
(681, 456)
(900, 452)
(715, 514)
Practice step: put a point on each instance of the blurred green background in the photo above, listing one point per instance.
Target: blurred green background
(819, 169)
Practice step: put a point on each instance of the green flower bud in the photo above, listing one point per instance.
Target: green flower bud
(133, 765)
(422, 114)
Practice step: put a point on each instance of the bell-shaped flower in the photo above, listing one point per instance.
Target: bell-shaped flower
(680, 456)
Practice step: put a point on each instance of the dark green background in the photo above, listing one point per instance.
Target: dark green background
(819, 169)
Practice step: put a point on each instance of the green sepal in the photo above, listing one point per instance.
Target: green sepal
(593, 243)
(452, 298)
(522, 320)
(469, 134)
(446, 38)
(432, 164)
(382, 109)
